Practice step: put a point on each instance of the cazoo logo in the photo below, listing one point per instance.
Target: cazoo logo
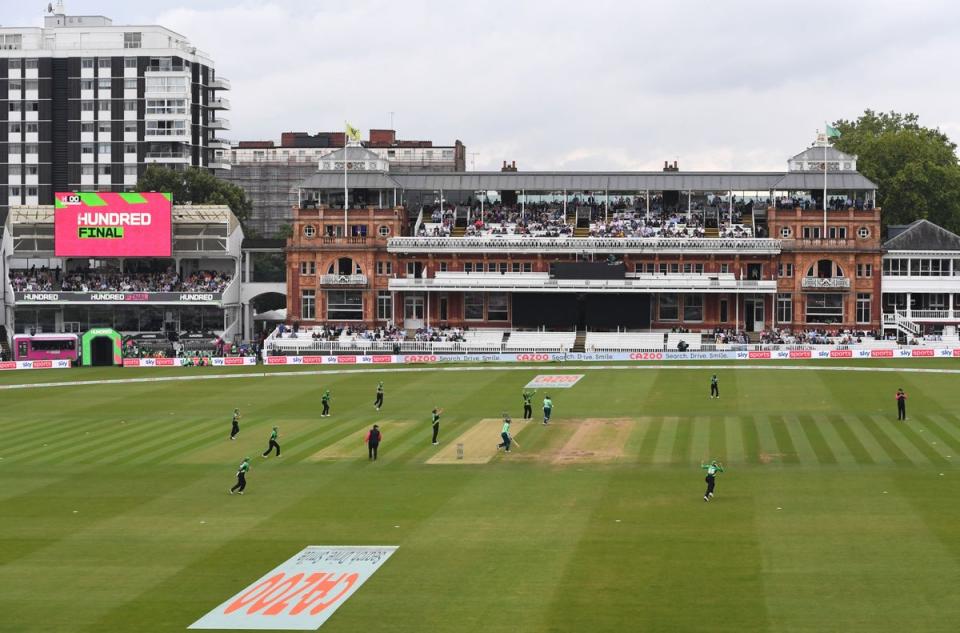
(646, 356)
(525, 358)
(421, 358)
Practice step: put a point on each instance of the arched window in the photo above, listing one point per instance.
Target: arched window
(344, 266)
(825, 269)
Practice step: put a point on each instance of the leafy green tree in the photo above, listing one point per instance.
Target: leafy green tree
(198, 186)
(915, 167)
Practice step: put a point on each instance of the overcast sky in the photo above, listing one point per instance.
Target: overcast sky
(718, 84)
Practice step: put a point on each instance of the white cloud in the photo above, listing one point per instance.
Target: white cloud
(572, 85)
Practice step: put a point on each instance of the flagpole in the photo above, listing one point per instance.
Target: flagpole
(346, 194)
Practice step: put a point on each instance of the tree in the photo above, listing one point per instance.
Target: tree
(915, 167)
(198, 186)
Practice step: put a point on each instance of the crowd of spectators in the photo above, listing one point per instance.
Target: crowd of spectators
(345, 333)
(99, 280)
(439, 335)
(823, 336)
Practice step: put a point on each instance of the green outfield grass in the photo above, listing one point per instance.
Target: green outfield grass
(114, 512)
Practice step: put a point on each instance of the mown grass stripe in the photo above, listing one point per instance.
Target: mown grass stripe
(649, 445)
(933, 423)
(157, 453)
(948, 425)
(682, 441)
(635, 439)
(816, 439)
(734, 439)
(854, 447)
(837, 446)
(866, 439)
(665, 441)
(718, 438)
(801, 443)
(922, 440)
(784, 442)
(318, 438)
(893, 451)
(768, 451)
(123, 440)
(35, 444)
(889, 427)
(751, 441)
(699, 440)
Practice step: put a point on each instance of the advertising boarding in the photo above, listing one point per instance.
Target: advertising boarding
(112, 224)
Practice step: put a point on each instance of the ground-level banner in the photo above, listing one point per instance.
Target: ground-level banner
(180, 362)
(35, 364)
(408, 359)
(301, 593)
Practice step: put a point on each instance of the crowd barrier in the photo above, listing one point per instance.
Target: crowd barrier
(542, 357)
(404, 359)
(228, 361)
(35, 364)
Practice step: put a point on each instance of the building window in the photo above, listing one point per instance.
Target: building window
(824, 308)
(104, 63)
(473, 306)
(784, 308)
(86, 62)
(14, 84)
(724, 269)
(132, 40)
(103, 148)
(308, 268)
(104, 83)
(344, 305)
(384, 230)
(86, 170)
(384, 268)
(15, 127)
(129, 62)
(103, 106)
(129, 83)
(497, 306)
(309, 231)
(308, 304)
(784, 270)
(864, 270)
(863, 307)
(86, 106)
(696, 269)
(15, 106)
(668, 308)
(863, 232)
(129, 170)
(103, 170)
(468, 267)
(31, 64)
(129, 148)
(693, 307)
(442, 267)
(811, 233)
(86, 148)
(837, 232)
(786, 231)
(384, 305)
(130, 127)
(11, 42)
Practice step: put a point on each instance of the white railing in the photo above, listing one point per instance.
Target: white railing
(581, 244)
(343, 280)
(543, 283)
(826, 283)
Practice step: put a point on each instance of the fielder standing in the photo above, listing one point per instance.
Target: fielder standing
(528, 403)
(325, 400)
(273, 443)
(713, 468)
(241, 476)
(436, 425)
(901, 405)
(235, 428)
(714, 387)
(547, 409)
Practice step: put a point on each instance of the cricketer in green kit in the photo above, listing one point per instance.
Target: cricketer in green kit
(241, 476)
(713, 469)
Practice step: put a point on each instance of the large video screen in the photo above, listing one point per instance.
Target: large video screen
(112, 224)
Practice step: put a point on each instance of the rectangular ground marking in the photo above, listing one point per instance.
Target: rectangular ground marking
(479, 443)
(301, 593)
(353, 446)
(554, 381)
(596, 440)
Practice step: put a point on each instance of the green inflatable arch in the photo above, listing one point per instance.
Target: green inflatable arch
(101, 332)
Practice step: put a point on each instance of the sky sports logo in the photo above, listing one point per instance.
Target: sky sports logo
(108, 225)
